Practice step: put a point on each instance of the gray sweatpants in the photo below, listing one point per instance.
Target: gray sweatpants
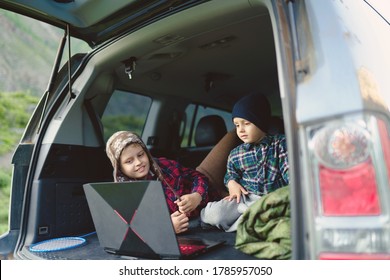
(226, 214)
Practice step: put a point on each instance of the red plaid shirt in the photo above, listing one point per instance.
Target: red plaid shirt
(184, 181)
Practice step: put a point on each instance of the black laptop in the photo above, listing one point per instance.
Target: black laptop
(132, 219)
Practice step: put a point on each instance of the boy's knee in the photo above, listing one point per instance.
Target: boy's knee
(219, 212)
(210, 214)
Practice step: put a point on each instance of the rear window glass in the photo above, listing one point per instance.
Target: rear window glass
(125, 111)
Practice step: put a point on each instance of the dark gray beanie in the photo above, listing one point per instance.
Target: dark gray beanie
(254, 108)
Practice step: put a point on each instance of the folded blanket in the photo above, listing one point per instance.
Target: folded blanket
(264, 229)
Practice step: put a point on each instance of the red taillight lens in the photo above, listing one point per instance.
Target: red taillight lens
(349, 192)
(384, 134)
(333, 256)
(347, 188)
(347, 178)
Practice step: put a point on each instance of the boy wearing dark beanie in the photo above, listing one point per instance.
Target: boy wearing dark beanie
(256, 167)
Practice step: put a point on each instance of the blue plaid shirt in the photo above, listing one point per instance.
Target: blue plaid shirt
(260, 168)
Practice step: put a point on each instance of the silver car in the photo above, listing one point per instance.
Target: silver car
(161, 67)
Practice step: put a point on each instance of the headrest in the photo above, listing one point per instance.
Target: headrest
(209, 131)
(276, 125)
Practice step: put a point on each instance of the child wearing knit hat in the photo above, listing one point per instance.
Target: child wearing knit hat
(185, 189)
(256, 167)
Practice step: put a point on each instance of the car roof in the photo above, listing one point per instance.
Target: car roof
(96, 21)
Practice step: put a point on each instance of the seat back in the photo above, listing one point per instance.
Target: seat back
(209, 131)
(276, 125)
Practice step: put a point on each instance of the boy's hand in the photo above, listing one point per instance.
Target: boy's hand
(235, 191)
(180, 222)
(188, 202)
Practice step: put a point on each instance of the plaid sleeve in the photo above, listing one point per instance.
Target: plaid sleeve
(197, 181)
(283, 161)
(184, 180)
(231, 167)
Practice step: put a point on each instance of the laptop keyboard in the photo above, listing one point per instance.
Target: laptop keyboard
(187, 249)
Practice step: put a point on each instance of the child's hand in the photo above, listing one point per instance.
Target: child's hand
(235, 191)
(188, 202)
(180, 222)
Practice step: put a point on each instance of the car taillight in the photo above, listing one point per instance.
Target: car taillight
(384, 134)
(349, 166)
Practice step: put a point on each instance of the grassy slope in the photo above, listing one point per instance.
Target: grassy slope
(5, 177)
(19, 60)
(28, 49)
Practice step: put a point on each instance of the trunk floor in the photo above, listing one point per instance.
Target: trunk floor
(92, 250)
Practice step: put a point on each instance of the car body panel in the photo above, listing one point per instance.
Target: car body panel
(343, 66)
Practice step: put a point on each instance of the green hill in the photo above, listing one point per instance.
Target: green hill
(15, 111)
(27, 51)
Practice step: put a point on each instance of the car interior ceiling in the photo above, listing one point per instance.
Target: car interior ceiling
(206, 63)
